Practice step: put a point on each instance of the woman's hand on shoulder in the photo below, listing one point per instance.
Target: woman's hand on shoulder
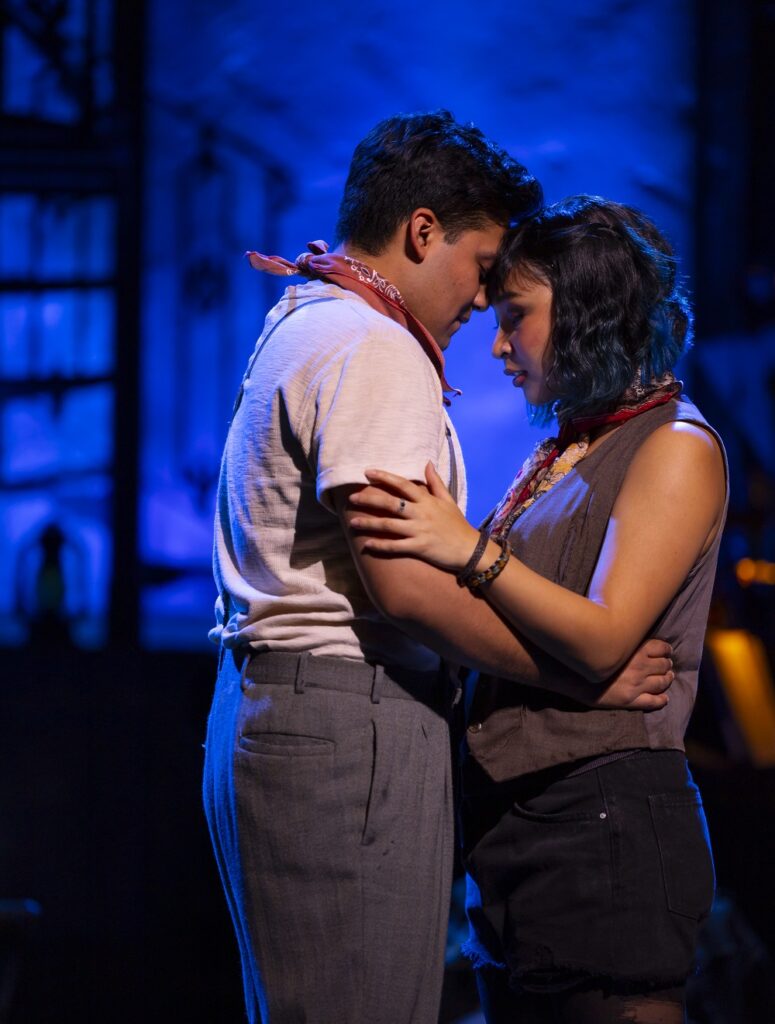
(405, 518)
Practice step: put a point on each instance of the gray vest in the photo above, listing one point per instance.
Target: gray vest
(524, 729)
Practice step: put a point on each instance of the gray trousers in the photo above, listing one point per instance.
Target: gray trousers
(328, 796)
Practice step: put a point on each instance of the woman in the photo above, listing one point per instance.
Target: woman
(584, 837)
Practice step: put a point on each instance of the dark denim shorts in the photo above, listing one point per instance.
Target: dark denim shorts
(602, 875)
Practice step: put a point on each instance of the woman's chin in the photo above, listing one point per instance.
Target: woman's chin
(534, 396)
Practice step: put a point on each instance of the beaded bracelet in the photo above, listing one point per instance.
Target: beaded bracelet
(494, 570)
(468, 569)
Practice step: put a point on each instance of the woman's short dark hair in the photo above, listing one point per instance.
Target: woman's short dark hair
(414, 160)
(617, 309)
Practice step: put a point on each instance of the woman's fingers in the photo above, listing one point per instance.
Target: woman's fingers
(403, 487)
(436, 485)
(378, 524)
(374, 497)
(405, 546)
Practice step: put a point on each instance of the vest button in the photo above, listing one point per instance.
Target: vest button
(475, 727)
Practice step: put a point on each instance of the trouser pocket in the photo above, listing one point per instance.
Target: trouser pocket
(684, 851)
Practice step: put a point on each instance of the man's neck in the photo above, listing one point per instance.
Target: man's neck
(385, 263)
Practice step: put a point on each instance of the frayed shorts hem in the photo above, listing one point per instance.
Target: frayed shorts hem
(566, 977)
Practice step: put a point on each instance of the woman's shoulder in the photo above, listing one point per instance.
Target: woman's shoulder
(681, 436)
(680, 464)
(666, 423)
(681, 445)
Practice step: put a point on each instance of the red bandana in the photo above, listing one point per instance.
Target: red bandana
(556, 456)
(356, 277)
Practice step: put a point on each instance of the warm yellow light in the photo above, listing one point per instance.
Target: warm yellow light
(749, 570)
(746, 571)
(741, 662)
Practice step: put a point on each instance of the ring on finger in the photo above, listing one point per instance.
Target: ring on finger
(401, 506)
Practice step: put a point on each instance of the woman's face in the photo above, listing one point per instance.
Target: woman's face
(524, 313)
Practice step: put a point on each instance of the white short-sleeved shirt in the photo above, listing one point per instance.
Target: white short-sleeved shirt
(335, 387)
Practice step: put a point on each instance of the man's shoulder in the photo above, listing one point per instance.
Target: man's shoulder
(339, 322)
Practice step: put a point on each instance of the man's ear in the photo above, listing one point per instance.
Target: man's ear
(422, 229)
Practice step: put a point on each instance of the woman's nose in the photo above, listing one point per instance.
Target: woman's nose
(501, 347)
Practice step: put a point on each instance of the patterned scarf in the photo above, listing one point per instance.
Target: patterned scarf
(357, 277)
(555, 457)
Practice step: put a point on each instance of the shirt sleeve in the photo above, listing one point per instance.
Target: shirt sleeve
(379, 405)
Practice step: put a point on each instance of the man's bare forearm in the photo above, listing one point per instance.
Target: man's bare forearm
(465, 629)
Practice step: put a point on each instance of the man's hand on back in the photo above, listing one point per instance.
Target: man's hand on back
(643, 683)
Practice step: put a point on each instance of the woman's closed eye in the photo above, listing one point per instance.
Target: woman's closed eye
(510, 322)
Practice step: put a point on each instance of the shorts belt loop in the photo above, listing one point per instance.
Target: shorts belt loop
(301, 664)
(376, 683)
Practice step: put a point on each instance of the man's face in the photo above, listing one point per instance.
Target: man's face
(453, 280)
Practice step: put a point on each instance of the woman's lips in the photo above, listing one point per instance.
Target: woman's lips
(518, 377)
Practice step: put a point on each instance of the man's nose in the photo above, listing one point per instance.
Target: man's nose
(481, 302)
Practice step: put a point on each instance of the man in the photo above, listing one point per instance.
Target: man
(327, 777)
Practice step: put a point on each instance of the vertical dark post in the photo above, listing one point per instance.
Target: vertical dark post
(722, 164)
(761, 212)
(129, 65)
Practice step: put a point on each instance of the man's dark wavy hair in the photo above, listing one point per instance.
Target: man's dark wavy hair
(414, 160)
(617, 309)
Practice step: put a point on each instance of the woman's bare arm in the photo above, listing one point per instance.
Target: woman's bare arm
(667, 512)
(429, 605)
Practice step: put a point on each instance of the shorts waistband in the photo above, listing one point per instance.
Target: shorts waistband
(307, 671)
